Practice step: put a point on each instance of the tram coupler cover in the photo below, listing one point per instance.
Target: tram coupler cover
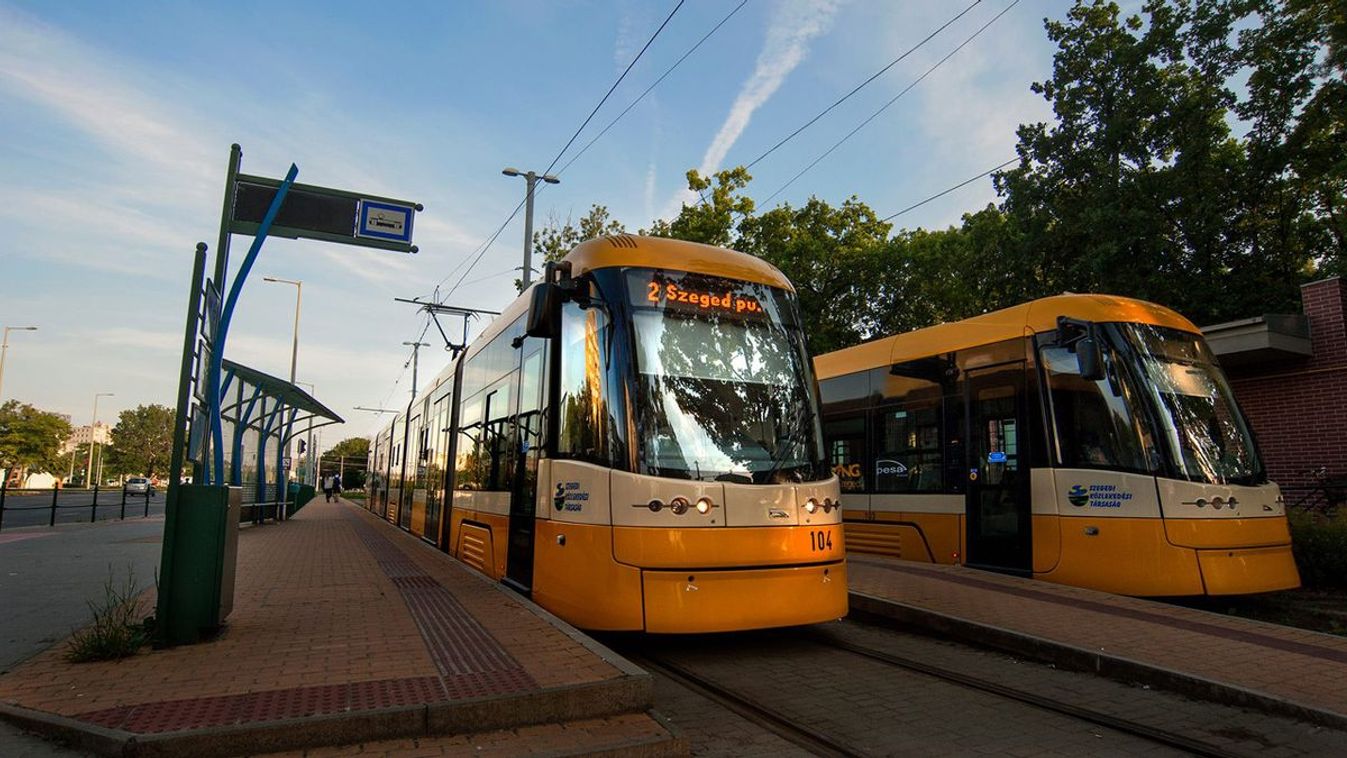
(198, 585)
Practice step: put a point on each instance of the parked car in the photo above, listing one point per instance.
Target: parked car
(138, 485)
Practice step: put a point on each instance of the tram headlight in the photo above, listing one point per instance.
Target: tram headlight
(810, 505)
(704, 505)
(679, 506)
(1218, 503)
(828, 504)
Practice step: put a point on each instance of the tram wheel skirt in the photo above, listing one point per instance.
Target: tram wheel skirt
(689, 602)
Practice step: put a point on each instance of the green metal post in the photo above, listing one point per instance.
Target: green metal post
(165, 608)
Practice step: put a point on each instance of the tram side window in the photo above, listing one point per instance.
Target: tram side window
(909, 457)
(1097, 422)
(846, 451)
(584, 419)
(471, 458)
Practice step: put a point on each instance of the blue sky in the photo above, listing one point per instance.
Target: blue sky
(116, 121)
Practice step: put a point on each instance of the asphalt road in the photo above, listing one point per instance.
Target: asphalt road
(31, 508)
(47, 578)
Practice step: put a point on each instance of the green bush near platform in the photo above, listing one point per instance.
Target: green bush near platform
(1320, 547)
(354, 495)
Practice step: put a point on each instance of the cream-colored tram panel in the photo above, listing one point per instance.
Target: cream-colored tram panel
(651, 501)
(822, 493)
(761, 505)
(574, 492)
(1184, 500)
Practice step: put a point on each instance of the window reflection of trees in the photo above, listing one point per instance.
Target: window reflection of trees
(1207, 434)
(720, 394)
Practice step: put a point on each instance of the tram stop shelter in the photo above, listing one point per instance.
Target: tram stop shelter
(260, 415)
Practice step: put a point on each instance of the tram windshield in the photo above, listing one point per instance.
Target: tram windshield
(1208, 439)
(725, 390)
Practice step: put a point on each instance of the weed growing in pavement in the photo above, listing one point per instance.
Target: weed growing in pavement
(115, 633)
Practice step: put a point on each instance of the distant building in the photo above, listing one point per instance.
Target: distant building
(1289, 373)
(99, 433)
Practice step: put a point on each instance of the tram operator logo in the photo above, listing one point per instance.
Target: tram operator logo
(1078, 496)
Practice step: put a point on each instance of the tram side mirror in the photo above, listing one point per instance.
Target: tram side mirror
(1089, 358)
(544, 311)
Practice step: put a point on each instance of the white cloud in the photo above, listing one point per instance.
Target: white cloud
(795, 24)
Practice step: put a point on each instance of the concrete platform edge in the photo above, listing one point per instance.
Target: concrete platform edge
(1082, 659)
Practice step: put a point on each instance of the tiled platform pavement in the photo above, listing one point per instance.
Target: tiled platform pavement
(1280, 669)
(345, 630)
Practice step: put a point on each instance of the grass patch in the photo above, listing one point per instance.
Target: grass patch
(354, 495)
(115, 632)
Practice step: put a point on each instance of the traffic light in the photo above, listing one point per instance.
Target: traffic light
(302, 446)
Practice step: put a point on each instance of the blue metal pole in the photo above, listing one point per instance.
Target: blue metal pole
(227, 313)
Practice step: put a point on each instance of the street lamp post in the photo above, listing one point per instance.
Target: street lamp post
(532, 179)
(4, 348)
(93, 439)
(299, 294)
(294, 344)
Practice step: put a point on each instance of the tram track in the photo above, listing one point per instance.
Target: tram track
(770, 719)
(1070, 710)
(788, 726)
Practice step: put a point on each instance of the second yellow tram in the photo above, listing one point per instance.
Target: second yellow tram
(1083, 439)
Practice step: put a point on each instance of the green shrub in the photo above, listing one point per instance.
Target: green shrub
(115, 633)
(1320, 546)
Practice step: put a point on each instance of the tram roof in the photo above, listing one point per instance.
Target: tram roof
(648, 252)
(674, 255)
(1016, 321)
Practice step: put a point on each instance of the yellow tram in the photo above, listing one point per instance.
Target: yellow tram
(635, 442)
(1088, 440)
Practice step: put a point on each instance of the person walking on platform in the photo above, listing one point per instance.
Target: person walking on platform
(336, 484)
(327, 488)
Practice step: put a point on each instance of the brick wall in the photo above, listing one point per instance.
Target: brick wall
(1298, 408)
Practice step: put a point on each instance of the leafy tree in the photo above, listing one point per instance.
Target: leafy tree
(833, 256)
(30, 439)
(356, 452)
(142, 441)
(556, 239)
(713, 220)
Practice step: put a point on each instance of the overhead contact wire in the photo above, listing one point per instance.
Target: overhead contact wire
(862, 85)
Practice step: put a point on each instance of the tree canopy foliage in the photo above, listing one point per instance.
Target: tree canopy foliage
(30, 439)
(142, 442)
(356, 448)
(1197, 158)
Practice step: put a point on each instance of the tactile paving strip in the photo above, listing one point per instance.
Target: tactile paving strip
(458, 644)
(178, 715)
(471, 665)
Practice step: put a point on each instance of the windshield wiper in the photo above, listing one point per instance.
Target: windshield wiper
(803, 413)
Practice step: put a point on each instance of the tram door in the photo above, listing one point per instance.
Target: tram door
(529, 441)
(998, 506)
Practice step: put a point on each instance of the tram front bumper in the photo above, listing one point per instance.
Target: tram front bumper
(690, 601)
(1247, 571)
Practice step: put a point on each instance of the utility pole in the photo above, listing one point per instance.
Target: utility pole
(313, 475)
(532, 179)
(416, 352)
